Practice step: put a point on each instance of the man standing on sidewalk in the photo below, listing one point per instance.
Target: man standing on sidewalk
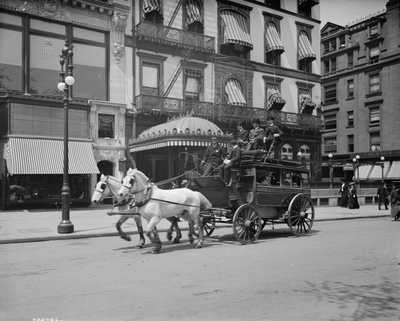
(383, 194)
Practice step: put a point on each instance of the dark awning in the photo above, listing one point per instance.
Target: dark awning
(306, 104)
(305, 49)
(273, 41)
(152, 5)
(235, 29)
(234, 93)
(275, 100)
(308, 3)
(46, 156)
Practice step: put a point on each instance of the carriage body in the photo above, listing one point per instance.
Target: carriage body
(266, 191)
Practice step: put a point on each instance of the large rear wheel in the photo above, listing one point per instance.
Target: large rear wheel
(246, 224)
(300, 214)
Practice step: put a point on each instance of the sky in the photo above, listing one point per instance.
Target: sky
(343, 12)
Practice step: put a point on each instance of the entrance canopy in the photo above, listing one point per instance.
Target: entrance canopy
(186, 131)
(46, 156)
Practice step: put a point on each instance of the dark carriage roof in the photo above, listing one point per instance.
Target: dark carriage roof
(257, 158)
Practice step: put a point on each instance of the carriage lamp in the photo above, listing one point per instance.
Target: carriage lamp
(330, 156)
(65, 85)
(356, 165)
(383, 167)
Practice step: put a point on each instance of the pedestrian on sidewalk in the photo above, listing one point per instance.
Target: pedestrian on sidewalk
(353, 199)
(383, 195)
(344, 194)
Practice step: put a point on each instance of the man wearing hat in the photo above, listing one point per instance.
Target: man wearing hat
(242, 136)
(213, 157)
(231, 162)
(272, 135)
(256, 135)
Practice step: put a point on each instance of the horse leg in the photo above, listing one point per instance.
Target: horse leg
(121, 233)
(139, 225)
(174, 225)
(200, 242)
(155, 239)
(191, 232)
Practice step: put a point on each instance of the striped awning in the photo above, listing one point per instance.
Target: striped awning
(363, 172)
(376, 172)
(46, 156)
(305, 49)
(194, 12)
(273, 41)
(152, 5)
(275, 100)
(235, 29)
(306, 104)
(394, 171)
(234, 93)
(171, 142)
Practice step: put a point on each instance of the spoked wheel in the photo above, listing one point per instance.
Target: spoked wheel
(208, 224)
(300, 214)
(246, 224)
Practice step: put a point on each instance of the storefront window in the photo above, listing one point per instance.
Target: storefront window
(11, 60)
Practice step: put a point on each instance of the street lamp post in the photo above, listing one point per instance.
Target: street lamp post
(382, 166)
(330, 155)
(356, 165)
(65, 85)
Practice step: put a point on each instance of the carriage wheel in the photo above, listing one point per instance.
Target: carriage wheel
(208, 225)
(300, 214)
(246, 224)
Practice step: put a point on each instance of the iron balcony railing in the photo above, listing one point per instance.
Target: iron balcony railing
(171, 36)
(148, 104)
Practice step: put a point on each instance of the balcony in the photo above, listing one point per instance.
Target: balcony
(150, 35)
(225, 113)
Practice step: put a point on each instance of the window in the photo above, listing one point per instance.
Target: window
(374, 30)
(374, 116)
(152, 11)
(375, 141)
(332, 44)
(106, 126)
(330, 122)
(276, 4)
(305, 151)
(287, 151)
(193, 87)
(150, 79)
(374, 54)
(350, 119)
(374, 84)
(305, 51)
(326, 66)
(330, 144)
(273, 44)
(350, 143)
(350, 60)
(350, 89)
(333, 65)
(325, 45)
(11, 59)
(342, 41)
(330, 93)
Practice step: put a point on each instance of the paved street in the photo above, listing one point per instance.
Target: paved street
(344, 270)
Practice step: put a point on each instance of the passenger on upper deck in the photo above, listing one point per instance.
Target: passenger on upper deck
(231, 162)
(272, 134)
(213, 157)
(242, 136)
(256, 135)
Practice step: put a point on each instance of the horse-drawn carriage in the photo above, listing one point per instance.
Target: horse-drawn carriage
(266, 191)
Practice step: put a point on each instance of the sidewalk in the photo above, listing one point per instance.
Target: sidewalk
(17, 226)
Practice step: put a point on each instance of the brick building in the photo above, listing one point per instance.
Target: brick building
(360, 66)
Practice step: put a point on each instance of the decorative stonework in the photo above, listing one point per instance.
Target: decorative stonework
(119, 22)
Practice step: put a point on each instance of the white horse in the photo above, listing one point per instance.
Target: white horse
(109, 185)
(154, 204)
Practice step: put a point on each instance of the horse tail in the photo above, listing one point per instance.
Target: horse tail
(205, 204)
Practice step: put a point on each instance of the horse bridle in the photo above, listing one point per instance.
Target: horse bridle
(102, 187)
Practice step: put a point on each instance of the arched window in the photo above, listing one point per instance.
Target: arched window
(234, 94)
(287, 151)
(305, 151)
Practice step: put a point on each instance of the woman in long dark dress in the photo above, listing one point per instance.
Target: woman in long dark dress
(353, 200)
(344, 194)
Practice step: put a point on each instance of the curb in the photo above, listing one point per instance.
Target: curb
(108, 234)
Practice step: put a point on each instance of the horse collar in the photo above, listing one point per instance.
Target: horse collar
(147, 196)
